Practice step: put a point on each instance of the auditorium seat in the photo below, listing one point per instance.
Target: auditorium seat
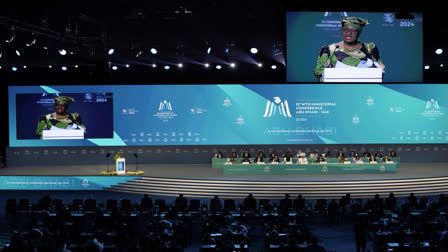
(229, 205)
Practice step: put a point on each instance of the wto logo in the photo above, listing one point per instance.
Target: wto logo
(389, 17)
(165, 105)
(85, 183)
(277, 105)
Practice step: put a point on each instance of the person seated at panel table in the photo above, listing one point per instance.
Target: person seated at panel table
(302, 160)
(372, 159)
(366, 154)
(234, 155)
(230, 160)
(385, 159)
(246, 160)
(259, 159)
(352, 154)
(261, 153)
(378, 154)
(327, 154)
(320, 159)
(275, 159)
(272, 155)
(313, 155)
(219, 155)
(357, 160)
(288, 160)
(342, 159)
(245, 154)
(300, 154)
(393, 154)
(340, 154)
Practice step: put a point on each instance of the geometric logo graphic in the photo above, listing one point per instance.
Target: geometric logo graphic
(277, 107)
(267, 170)
(324, 169)
(432, 104)
(165, 106)
(389, 17)
(382, 168)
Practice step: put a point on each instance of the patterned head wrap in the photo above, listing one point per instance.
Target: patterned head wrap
(355, 22)
(63, 99)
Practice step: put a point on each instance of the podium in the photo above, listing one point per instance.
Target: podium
(120, 166)
(353, 74)
(62, 134)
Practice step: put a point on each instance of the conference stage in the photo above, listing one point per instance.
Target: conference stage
(203, 181)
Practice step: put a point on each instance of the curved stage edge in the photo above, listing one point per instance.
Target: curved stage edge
(202, 181)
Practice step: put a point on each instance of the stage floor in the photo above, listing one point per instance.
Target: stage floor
(204, 171)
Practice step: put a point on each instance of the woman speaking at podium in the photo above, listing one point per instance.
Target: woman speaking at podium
(350, 52)
(61, 118)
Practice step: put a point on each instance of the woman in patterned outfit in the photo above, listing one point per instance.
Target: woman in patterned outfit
(350, 52)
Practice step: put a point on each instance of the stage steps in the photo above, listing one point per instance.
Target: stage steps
(235, 189)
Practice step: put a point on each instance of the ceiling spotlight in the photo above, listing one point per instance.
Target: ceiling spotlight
(218, 67)
(259, 64)
(13, 36)
(206, 65)
(254, 50)
(166, 67)
(273, 67)
(153, 51)
(1, 54)
(209, 50)
(24, 67)
(111, 51)
(154, 65)
(33, 42)
(127, 65)
(114, 68)
(180, 65)
(17, 52)
(232, 65)
(64, 68)
(426, 67)
(14, 69)
(439, 51)
(76, 66)
(138, 54)
(62, 52)
(50, 66)
(441, 65)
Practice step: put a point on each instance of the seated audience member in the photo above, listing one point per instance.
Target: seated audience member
(393, 154)
(385, 159)
(219, 155)
(181, 203)
(275, 159)
(320, 159)
(378, 154)
(313, 155)
(372, 159)
(302, 160)
(215, 204)
(246, 160)
(259, 159)
(340, 154)
(245, 154)
(250, 203)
